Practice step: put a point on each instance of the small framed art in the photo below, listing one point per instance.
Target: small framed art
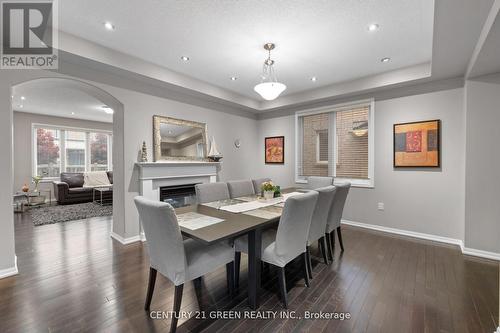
(274, 150)
(417, 144)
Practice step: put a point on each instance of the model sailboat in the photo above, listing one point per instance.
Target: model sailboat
(214, 153)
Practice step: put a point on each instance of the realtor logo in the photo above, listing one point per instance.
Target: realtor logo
(29, 35)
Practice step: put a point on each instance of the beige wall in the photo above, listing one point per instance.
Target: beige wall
(23, 140)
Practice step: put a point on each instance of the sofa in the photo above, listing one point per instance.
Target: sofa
(69, 189)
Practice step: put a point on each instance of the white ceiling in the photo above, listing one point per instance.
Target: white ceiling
(58, 98)
(224, 38)
(170, 130)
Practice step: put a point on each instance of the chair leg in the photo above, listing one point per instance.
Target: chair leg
(177, 307)
(230, 278)
(304, 268)
(309, 263)
(332, 238)
(151, 288)
(282, 282)
(339, 234)
(237, 260)
(329, 247)
(322, 246)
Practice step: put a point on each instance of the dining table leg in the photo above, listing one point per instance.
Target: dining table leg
(254, 253)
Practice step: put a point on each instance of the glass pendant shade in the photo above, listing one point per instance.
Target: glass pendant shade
(269, 90)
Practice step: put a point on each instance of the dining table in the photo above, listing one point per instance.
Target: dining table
(226, 220)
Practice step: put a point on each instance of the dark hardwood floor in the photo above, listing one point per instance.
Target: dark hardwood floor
(74, 278)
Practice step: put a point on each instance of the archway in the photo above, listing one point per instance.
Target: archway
(102, 98)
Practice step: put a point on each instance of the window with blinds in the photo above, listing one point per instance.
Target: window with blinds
(322, 147)
(336, 142)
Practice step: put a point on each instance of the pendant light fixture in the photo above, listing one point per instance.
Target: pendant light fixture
(269, 87)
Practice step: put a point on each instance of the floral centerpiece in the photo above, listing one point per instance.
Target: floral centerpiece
(268, 189)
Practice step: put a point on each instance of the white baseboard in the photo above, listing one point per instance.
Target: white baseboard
(9, 271)
(406, 233)
(143, 236)
(125, 241)
(498, 330)
(434, 238)
(481, 253)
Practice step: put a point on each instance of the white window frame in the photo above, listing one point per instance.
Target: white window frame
(332, 142)
(62, 146)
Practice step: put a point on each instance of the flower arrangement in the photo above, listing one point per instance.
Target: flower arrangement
(36, 181)
(267, 186)
(268, 190)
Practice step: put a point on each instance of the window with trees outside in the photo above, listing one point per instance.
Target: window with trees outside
(336, 141)
(59, 150)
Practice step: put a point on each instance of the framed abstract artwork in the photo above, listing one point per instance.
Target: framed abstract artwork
(274, 150)
(417, 144)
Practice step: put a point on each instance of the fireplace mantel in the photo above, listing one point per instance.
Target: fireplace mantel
(153, 175)
(168, 163)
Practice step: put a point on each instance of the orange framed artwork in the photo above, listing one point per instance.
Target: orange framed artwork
(274, 150)
(417, 144)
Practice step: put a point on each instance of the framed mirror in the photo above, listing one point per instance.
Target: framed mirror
(178, 139)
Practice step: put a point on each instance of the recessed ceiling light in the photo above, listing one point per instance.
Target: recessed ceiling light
(20, 106)
(23, 98)
(234, 78)
(72, 113)
(170, 132)
(314, 79)
(373, 27)
(109, 26)
(107, 109)
(385, 59)
(184, 58)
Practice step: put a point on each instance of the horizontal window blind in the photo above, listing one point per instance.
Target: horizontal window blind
(334, 143)
(311, 125)
(322, 147)
(352, 143)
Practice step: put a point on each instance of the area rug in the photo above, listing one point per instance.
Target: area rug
(63, 213)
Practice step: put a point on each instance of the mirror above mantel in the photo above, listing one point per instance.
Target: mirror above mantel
(179, 140)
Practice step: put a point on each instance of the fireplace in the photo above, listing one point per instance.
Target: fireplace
(178, 195)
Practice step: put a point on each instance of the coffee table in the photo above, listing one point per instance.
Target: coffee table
(98, 195)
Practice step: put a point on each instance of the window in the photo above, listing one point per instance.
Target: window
(48, 154)
(75, 146)
(336, 142)
(322, 147)
(99, 151)
(59, 150)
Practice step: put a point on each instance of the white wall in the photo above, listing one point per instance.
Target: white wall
(482, 210)
(23, 141)
(139, 111)
(130, 128)
(419, 200)
(281, 174)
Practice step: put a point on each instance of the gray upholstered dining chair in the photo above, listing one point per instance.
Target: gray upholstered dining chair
(335, 217)
(315, 182)
(281, 246)
(318, 224)
(240, 188)
(258, 182)
(211, 192)
(178, 260)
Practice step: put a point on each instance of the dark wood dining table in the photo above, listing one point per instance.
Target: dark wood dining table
(233, 226)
